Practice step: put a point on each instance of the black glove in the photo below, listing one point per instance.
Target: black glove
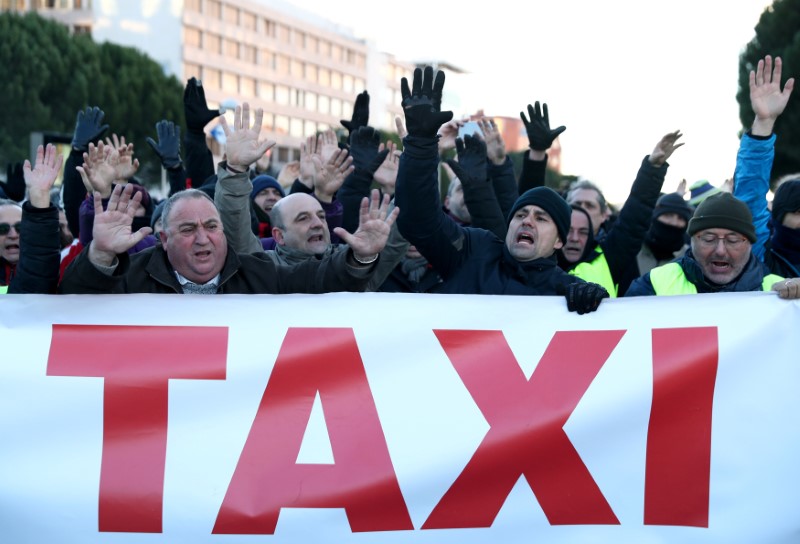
(472, 157)
(360, 116)
(88, 128)
(364, 142)
(540, 137)
(422, 103)
(168, 147)
(14, 186)
(195, 107)
(583, 297)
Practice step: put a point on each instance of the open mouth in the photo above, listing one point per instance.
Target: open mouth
(12, 247)
(202, 254)
(525, 238)
(720, 266)
(315, 238)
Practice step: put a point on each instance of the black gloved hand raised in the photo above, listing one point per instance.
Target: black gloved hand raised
(364, 143)
(88, 128)
(422, 103)
(583, 297)
(360, 116)
(195, 107)
(472, 157)
(14, 186)
(540, 137)
(168, 147)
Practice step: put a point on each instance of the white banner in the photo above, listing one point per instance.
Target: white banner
(377, 418)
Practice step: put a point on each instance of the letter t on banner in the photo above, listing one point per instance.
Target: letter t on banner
(137, 364)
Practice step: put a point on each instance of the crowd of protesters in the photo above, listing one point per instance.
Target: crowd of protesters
(362, 215)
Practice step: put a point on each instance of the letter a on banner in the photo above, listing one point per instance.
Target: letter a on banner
(526, 435)
(361, 480)
(137, 364)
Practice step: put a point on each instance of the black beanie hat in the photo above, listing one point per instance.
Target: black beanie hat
(723, 211)
(673, 203)
(551, 202)
(787, 200)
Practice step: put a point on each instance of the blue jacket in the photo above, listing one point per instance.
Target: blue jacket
(470, 260)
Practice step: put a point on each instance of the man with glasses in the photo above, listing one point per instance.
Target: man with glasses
(720, 258)
(10, 223)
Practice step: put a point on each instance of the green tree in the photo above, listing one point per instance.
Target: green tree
(47, 75)
(777, 34)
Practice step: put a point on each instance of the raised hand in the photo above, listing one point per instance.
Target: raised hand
(471, 157)
(495, 146)
(39, 180)
(422, 103)
(401, 127)
(112, 232)
(375, 223)
(103, 165)
(327, 145)
(307, 170)
(766, 97)
(242, 146)
(386, 174)
(14, 186)
(329, 176)
(540, 137)
(360, 117)
(168, 147)
(665, 148)
(88, 128)
(448, 133)
(195, 107)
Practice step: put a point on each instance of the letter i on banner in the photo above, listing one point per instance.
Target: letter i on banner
(137, 364)
(361, 480)
(678, 469)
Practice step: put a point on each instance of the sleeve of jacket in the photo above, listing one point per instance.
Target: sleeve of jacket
(391, 255)
(82, 278)
(533, 173)
(505, 185)
(355, 187)
(199, 162)
(625, 238)
(484, 209)
(232, 197)
(40, 253)
(177, 179)
(73, 191)
(641, 287)
(422, 221)
(751, 183)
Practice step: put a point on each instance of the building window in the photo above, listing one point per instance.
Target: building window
(336, 80)
(211, 78)
(213, 9)
(268, 122)
(212, 43)
(247, 87)
(282, 95)
(312, 44)
(281, 124)
(336, 107)
(360, 85)
(336, 52)
(311, 73)
(266, 91)
(191, 70)
(192, 37)
(231, 15)
(300, 39)
(324, 104)
(283, 33)
(230, 83)
(248, 20)
(268, 59)
(324, 77)
(192, 5)
(325, 48)
(347, 83)
(282, 64)
(269, 28)
(347, 109)
(310, 128)
(311, 101)
(248, 53)
(231, 49)
(296, 97)
(296, 128)
(297, 69)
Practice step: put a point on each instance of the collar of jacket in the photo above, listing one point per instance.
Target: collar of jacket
(524, 270)
(293, 256)
(160, 269)
(749, 280)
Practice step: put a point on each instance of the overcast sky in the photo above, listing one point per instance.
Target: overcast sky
(618, 73)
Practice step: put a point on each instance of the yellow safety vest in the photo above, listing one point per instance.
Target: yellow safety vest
(669, 279)
(3, 289)
(597, 271)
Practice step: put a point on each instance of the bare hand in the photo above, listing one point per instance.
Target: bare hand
(327, 145)
(243, 147)
(40, 179)
(448, 133)
(103, 165)
(495, 146)
(330, 176)
(374, 226)
(665, 148)
(401, 127)
(308, 166)
(766, 97)
(386, 174)
(788, 289)
(112, 227)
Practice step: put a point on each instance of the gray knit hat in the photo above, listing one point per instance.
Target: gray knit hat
(723, 211)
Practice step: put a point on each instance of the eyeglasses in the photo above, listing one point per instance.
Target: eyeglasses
(5, 228)
(730, 241)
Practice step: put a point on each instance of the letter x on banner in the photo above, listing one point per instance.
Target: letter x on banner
(353, 418)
